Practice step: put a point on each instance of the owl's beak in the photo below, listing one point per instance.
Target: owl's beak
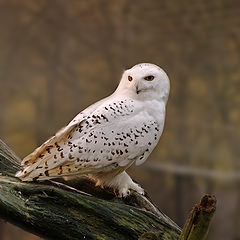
(137, 90)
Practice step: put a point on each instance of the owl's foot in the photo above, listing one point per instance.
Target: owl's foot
(123, 192)
(122, 184)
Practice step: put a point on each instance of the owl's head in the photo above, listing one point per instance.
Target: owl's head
(145, 80)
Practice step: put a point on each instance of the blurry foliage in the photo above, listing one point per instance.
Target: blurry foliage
(57, 57)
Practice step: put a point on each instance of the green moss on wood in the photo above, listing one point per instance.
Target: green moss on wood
(55, 213)
(199, 220)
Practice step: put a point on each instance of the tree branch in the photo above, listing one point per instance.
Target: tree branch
(55, 211)
(199, 220)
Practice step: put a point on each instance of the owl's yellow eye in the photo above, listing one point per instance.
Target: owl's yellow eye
(130, 78)
(149, 78)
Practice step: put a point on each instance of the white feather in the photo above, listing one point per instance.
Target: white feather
(110, 135)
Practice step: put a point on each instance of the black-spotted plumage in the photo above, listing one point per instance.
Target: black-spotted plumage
(109, 136)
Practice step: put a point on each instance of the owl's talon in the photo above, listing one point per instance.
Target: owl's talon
(124, 192)
(137, 188)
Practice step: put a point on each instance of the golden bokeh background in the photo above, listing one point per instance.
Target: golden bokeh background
(57, 57)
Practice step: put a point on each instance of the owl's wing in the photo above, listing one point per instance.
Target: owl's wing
(42, 154)
(110, 137)
(52, 145)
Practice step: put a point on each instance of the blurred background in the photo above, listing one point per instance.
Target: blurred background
(57, 57)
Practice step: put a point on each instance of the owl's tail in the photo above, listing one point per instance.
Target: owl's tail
(46, 174)
(46, 162)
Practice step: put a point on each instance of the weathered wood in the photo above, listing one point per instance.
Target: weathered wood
(57, 212)
(199, 220)
(9, 162)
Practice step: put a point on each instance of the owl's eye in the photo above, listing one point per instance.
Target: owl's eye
(130, 78)
(149, 78)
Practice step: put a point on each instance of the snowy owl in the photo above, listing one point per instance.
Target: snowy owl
(109, 136)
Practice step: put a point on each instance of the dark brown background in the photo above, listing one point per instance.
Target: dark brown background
(57, 57)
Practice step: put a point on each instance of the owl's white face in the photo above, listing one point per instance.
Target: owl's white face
(146, 81)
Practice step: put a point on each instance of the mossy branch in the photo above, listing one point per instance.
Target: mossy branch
(199, 220)
(56, 211)
(79, 210)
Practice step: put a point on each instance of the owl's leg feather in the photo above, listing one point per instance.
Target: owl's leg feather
(123, 183)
